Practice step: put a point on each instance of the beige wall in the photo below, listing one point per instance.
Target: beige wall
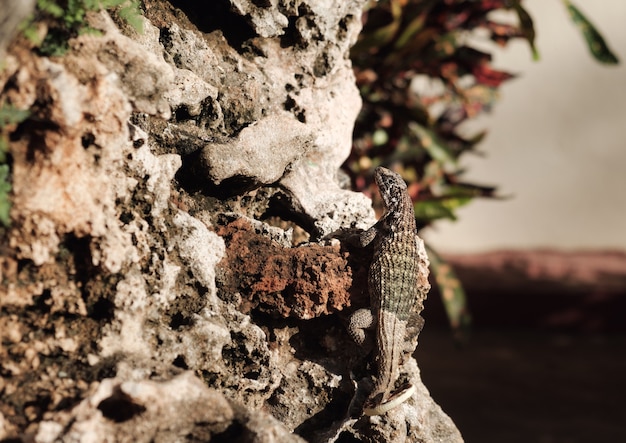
(557, 143)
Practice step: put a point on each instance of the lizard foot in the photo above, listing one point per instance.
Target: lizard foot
(394, 401)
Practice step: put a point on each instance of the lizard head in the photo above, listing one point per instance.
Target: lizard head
(392, 187)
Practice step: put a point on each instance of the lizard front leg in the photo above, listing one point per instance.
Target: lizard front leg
(360, 321)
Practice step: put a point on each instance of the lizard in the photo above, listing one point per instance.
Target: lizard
(397, 284)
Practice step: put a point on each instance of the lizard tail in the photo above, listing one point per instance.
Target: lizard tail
(390, 353)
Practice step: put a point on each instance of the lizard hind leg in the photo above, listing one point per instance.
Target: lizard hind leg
(414, 326)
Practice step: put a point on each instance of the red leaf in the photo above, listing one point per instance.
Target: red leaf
(490, 77)
(487, 5)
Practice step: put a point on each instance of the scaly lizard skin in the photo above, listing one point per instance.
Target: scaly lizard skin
(397, 284)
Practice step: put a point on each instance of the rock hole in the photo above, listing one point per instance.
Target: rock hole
(182, 114)
(217, 14)
(102, 309)
(180, 362)
(252, 375)
(119, 407)
(44, 301)
(126, 217)
(87, 139)
(234, 433)
(178, 320)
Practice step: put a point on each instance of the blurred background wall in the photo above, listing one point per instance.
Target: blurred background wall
(546, 356)
(556, 143)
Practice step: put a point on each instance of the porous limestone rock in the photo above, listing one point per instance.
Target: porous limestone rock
(157, 283)
(179, 409)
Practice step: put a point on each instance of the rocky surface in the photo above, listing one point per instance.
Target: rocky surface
(156, 280)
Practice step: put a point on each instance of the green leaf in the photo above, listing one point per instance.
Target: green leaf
(4, 147)
(29, 29)
(379, 37)
(410, 30)
(132, 15)
(10, 115)
(107, 4)
(461, 191)
(50, 7)
(430, 210)
(5, 203)
(452, 293)
(432, 144)
(441, 207)
(595, 42)
(527, 28)
(54, 43)
(478, 137)
(74, 15)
